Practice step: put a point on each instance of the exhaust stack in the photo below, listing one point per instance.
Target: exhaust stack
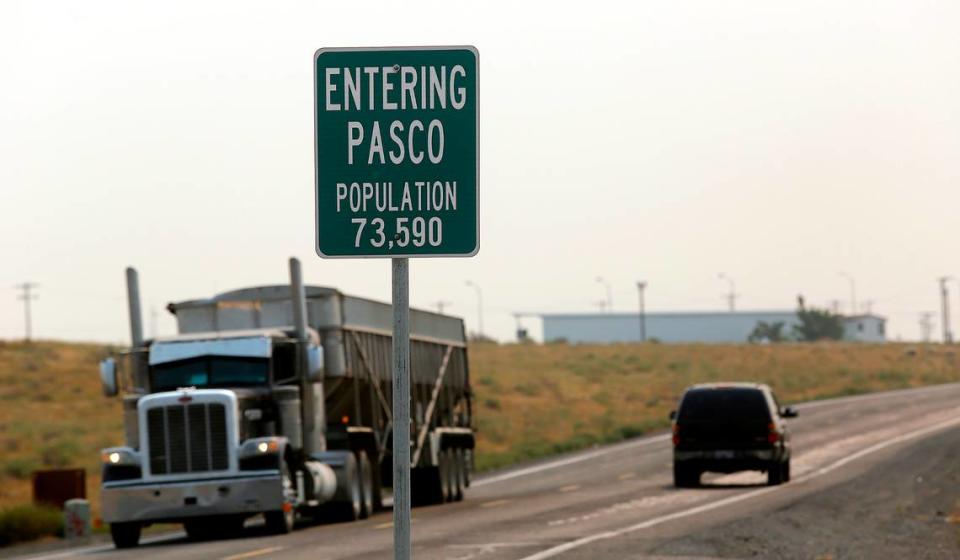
(298, 298)
(133, 301)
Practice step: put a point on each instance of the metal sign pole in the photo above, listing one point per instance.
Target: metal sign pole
(401, 408)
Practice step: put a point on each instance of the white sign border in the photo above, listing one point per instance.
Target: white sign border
(316, 152)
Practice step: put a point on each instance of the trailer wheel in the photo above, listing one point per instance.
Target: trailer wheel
(366, 485)
(125, 535)
(459, 467)
(446, 475)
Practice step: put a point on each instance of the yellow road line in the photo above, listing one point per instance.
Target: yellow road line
(252, 553)
(626, 475)
(570, 488)
(494, 503)
(389, 524)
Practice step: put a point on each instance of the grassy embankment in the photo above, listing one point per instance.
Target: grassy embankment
(532, 400)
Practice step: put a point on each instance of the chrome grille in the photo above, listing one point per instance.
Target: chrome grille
(187, 438)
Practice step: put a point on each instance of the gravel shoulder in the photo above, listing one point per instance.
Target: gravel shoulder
(905, 506)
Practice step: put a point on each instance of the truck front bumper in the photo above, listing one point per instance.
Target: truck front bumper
(153, 501)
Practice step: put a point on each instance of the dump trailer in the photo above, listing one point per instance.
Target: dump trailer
(275, 400)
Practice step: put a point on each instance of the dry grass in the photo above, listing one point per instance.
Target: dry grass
(53, 414)
(531, 400)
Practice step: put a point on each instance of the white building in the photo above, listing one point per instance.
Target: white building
(703, 327)
(865, 328)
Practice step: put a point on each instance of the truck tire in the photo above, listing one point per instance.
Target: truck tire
(366, 485)
(786, 471)
(459, 473)
(125, 535)
(446, 475)
(280, 522)
(350, 500)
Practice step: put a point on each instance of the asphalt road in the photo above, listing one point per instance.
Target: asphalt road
(855, 487)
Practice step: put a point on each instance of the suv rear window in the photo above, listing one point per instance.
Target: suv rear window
(733, 405)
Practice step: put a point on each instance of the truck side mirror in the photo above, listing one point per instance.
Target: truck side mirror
(108, 377)
(789, 412)
(673, 414)
(314, 363)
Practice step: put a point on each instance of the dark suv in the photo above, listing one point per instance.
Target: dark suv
(730, 427)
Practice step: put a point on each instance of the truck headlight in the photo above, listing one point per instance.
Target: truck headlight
(261, 446)
(120, 456)
(261, 453)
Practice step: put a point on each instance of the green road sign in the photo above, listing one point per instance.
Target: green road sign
(397, 152)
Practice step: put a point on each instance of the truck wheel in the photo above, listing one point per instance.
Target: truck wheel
(349, 500)
(125, 535)
(280, 522)
(786, 470)
(366, 485)
(459, 468)
(446, 475)
(775, 474)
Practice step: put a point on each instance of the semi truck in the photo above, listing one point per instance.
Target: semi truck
(275, 400)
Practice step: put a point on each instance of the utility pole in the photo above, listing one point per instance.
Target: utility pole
(26, 297)
(926, 325)
(853, 291)
(153, 321)
(732, 296)
(641, 286)
(479, 308)
(603, 281)
(945, 309)
(441, 305)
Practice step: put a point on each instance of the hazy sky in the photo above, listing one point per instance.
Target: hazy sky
(777, 142)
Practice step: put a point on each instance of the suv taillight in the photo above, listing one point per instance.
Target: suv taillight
(773, 436)
(676, 434)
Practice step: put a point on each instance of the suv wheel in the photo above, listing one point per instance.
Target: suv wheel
(685, 476)
(775, 473)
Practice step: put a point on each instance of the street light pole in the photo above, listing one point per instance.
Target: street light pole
(945, 305)
(853, 291)
(641, 286)
(479, 308)
(732, 296)
(603, 281)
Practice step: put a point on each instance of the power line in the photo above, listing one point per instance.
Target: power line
(26, 297)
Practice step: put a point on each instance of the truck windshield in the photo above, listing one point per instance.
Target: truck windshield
(731, 405)
(210, 371)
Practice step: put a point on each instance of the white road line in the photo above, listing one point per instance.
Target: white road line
(559, 549)
(571, 460)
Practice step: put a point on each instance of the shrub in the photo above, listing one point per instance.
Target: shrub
(29, 522)
(59, 454)
(20, 467)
